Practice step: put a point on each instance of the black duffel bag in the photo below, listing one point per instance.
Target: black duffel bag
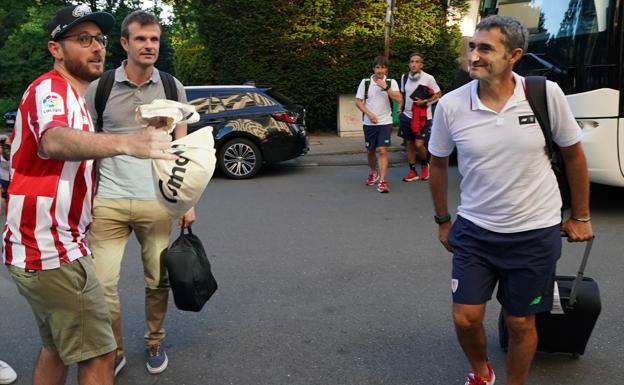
(191, 280)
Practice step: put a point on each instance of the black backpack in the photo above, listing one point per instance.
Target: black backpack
(536, 95)
(105, 86)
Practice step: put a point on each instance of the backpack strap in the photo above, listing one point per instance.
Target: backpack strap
(403, 81)
(536, 96)
(102, 92)
(171, 90)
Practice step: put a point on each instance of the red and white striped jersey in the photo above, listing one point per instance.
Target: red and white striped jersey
(49, 200)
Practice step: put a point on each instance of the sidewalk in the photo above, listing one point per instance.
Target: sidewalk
(328, 149)
(332, 144)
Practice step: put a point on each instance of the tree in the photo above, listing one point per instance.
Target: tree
(314, 50)
(12, 14)
(24, 56)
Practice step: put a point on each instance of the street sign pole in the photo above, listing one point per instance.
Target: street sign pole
(388, 29)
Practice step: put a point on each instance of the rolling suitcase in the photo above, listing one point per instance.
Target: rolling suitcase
(569, 329)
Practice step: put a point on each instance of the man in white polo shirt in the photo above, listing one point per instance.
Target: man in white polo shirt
(508, 224)
(408, 116)
(374, 98)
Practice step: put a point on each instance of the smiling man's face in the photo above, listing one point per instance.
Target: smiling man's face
(488, 57)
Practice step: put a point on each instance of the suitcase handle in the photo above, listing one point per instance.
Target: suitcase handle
(579, 275)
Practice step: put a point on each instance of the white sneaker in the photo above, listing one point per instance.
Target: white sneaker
(7, 374)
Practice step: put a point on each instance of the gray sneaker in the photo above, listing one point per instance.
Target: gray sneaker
(120, 362)
(157, 360)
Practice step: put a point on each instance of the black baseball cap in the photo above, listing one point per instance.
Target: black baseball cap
(69, 16)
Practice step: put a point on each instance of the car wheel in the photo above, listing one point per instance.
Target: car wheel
(240, 159)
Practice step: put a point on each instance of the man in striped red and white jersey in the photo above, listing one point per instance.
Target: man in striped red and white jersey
(50, 198)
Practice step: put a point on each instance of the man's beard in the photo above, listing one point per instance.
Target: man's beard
(81, 70)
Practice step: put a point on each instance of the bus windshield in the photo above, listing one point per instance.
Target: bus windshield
(570, 42)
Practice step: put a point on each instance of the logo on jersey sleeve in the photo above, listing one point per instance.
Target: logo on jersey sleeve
(454, 284)
(52, 104)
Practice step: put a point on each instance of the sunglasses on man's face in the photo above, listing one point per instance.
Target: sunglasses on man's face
(85, 39)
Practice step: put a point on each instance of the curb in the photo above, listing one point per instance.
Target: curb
(351, 152)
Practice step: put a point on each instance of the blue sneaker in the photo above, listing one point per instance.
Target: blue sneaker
(156, 359)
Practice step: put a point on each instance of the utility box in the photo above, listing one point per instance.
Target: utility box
(349, 117)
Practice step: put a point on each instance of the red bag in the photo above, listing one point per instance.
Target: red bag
(419, 118)
(419, 113)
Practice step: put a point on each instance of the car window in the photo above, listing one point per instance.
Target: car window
(229, 101)
(240, 100)
(211, 104)
(202, 105)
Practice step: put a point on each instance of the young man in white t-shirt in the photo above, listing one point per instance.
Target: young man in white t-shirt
(374, 98)
(508, 225)
(415, 138)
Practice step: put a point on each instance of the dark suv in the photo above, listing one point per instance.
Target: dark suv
(252, 125)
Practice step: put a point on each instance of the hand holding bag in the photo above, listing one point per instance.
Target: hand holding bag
(180, 183)
(190, 277)
(162, 112)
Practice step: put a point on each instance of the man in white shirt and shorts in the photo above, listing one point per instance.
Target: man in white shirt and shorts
(508, 225)
(374, 98)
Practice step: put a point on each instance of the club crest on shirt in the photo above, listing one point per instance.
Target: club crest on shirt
(526, 119)
(454, 284)
(52, 104)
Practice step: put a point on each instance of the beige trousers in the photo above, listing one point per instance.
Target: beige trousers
(113, 221)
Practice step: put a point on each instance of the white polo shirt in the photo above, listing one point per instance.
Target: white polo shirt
(377, 101)
(411, 85)
(507, 182)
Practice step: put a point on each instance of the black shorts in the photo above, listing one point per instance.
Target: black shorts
(405, 129)
(377, 136)
(523, 264)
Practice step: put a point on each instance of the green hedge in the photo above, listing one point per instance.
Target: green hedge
(312, 51)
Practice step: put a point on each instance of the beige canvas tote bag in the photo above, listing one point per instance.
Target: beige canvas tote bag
(180, 183)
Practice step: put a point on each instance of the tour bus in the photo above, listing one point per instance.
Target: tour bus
(579, 45)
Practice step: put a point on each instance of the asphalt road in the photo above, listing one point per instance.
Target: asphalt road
(325, 281)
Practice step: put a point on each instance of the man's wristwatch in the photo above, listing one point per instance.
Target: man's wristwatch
(386, 88)
(440, 219)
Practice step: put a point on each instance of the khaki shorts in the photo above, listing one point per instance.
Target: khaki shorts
(69, 308)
